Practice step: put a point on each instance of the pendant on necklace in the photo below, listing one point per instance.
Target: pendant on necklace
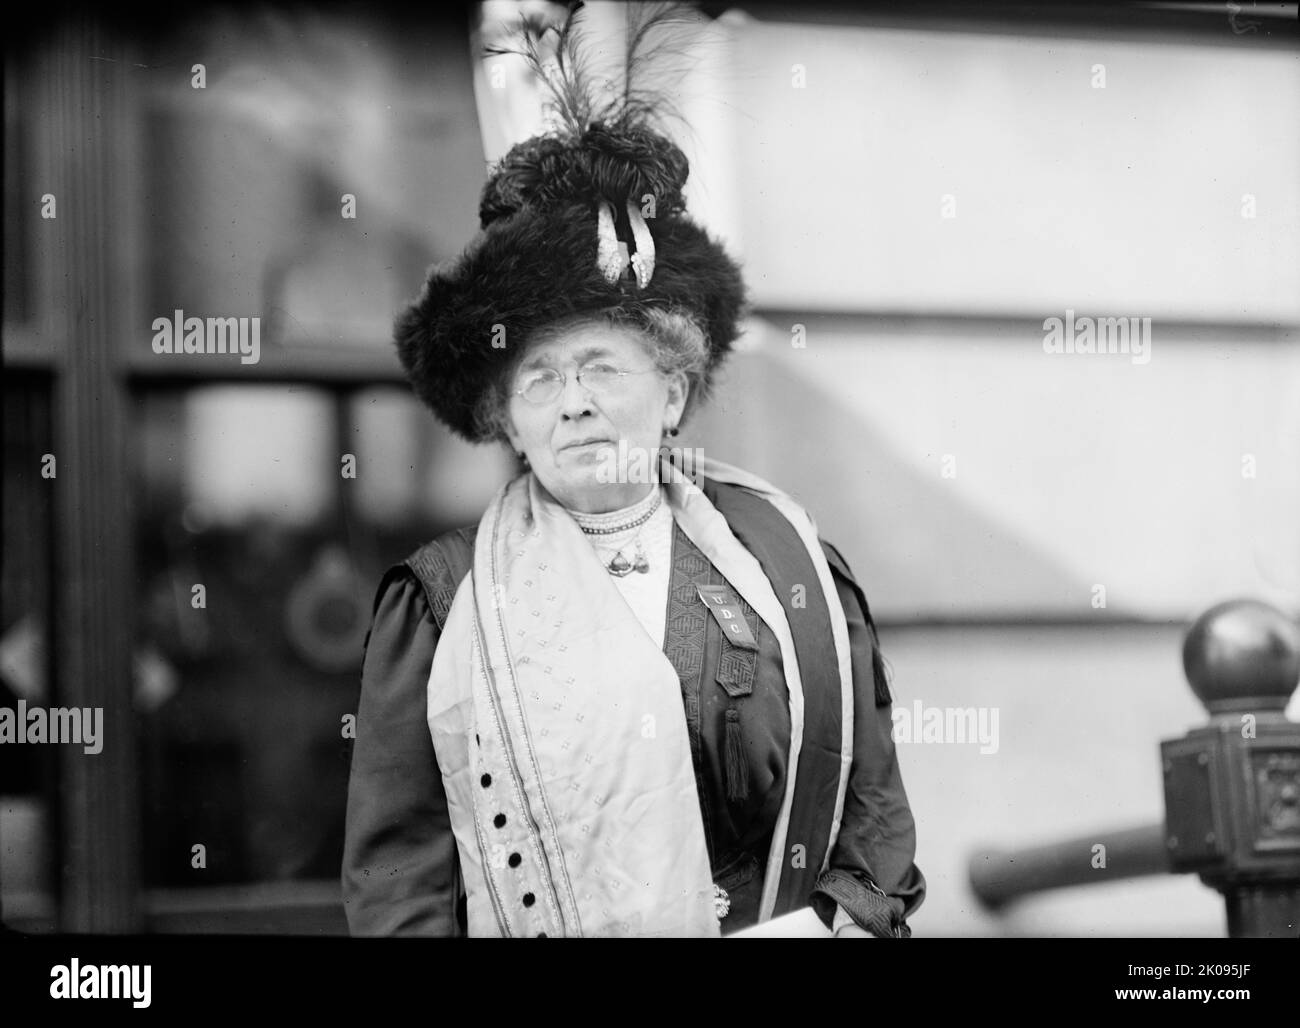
(621, 567)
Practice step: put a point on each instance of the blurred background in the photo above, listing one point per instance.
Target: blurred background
(911, 194)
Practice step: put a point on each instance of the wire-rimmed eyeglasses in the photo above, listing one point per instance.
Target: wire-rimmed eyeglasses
(542, 385)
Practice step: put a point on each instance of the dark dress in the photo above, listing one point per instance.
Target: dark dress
(399, 872)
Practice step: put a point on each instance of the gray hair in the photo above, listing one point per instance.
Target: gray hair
(671, 337)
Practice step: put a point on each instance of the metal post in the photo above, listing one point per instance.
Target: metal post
(1232, 788)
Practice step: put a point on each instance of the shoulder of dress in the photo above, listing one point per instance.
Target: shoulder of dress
(840, 568)
(837, 561)
(440, 565)
(443, 553)
(879, 670)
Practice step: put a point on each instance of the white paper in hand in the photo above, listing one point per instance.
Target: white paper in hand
(800, 924)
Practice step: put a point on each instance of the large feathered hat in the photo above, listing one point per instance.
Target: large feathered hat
(587, 217)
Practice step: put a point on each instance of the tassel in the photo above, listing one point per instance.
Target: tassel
(878, 671)
(737, 765)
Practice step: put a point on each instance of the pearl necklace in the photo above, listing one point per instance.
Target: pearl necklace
(620, 521)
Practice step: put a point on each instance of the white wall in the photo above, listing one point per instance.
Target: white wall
(1122, 200)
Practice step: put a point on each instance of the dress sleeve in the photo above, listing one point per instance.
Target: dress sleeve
(400, 872)
(871, 875)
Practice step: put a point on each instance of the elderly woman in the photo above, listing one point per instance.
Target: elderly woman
(623, 704)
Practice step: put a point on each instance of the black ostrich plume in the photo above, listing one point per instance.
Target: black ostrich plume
(607, 141)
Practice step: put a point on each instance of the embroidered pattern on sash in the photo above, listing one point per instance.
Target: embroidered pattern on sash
(685, 635)
(687, 630)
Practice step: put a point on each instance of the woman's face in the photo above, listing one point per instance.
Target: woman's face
(572, 440)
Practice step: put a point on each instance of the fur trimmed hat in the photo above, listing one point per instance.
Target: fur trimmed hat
(587, 218)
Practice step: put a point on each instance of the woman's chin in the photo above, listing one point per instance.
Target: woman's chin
(588, 489)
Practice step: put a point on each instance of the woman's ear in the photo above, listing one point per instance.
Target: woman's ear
(679, 389)
(513, 438)
(505, 421)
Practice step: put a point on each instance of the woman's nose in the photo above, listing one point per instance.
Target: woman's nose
(576, 400)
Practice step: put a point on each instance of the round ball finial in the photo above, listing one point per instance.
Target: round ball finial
(1242, 655)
